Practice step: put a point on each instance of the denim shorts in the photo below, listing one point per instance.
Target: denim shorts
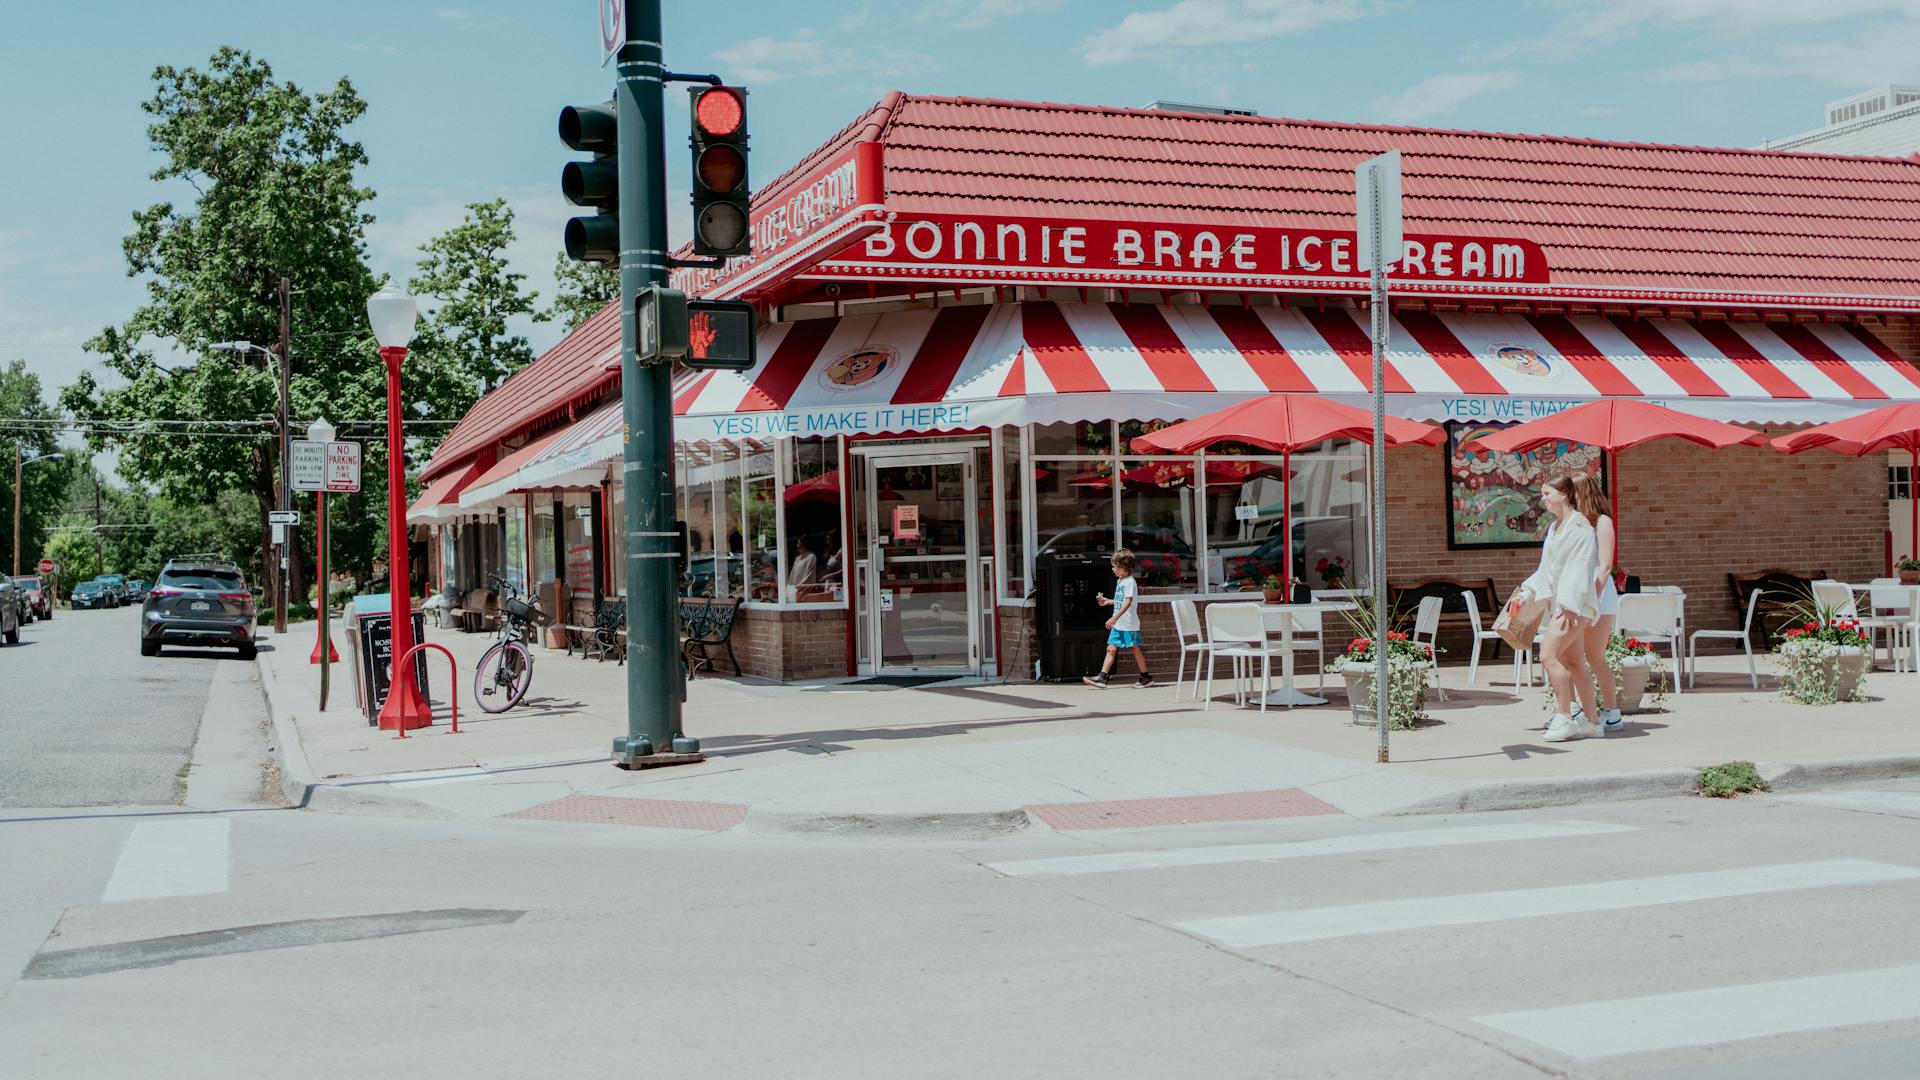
(1123, 639)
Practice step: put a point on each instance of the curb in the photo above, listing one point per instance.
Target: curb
(1530, 794)
(1814, 774)
(969, 824)
(305, 791)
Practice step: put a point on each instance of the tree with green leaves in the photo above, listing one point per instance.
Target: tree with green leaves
(275, 193)
(471, 293)
(583, 289)
(27, 427)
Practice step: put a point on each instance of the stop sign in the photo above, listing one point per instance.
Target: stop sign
(48, 566)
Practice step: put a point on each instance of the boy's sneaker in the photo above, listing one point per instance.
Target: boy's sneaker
(1143, 682)
(1102, 680)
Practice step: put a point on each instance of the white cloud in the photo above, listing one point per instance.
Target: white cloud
(1590, 23)
(1595, 112)
(770, 59)
(1195, 23)
(1439, 95)
(457, 16)
(979, 13)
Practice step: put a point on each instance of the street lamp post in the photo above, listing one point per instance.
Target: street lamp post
(393, 314)
(284, 488)
(17, 466)
(323, 651)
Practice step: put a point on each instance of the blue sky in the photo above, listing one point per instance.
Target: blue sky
(463, 95)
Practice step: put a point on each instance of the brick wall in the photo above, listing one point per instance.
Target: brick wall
(789, 644)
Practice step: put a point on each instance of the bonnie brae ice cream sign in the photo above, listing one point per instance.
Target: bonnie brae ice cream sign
(1121, 252)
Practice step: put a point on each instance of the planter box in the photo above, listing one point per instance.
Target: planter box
(1634, 679)
(1844, 668)
(1408, 678)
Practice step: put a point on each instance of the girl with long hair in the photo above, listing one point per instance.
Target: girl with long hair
(1591, 500)
(1566, 578)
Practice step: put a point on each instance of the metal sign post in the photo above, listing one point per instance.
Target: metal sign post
(1377, 201)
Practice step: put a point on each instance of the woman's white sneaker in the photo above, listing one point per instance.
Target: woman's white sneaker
(1562, 728)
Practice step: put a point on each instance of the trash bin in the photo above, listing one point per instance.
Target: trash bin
(1069, 623)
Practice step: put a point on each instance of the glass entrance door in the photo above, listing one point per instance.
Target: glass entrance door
(922, 597)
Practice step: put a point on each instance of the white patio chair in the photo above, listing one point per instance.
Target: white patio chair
(1520, 656)
(1744, 635)
(1655, 619)
(1186, 620)
(1896, 610)
(1838, 596)
(1238, 632)
(1426, 628)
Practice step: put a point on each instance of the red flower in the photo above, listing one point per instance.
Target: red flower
(1395, 635)
(1359, 644)
(1811, 626)
(1793, 633)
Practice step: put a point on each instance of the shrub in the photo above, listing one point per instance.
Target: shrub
(1733, 778)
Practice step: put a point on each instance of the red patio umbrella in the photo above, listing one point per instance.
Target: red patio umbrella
(1890, 427)
(1614, 425)
(1283, 423)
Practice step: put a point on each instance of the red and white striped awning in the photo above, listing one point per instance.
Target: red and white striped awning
(957, 368)
(574, 456)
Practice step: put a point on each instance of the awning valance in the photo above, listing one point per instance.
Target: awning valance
(573, 456)
(441, 500)
(966, 367)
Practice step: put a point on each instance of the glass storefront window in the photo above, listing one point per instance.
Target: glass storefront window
(762, 555)
(514, 539)
(617, 539)
(543, 526)
(1328, 515)
(811, 513)
(1013, 524)
(577, 538)
(1074, 505)
(1095, 438)
(1157, 522)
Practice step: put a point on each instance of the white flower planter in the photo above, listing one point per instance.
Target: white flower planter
(1634, 674)
(1821, 674)
(1406, 697)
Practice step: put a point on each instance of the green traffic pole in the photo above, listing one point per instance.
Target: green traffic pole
(653, 674)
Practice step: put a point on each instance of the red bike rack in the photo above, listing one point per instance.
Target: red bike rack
(453, 681)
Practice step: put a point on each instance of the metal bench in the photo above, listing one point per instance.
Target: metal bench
(707, 624)
(1783, 588)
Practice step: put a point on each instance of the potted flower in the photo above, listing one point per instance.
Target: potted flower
(1824, 658)
(1333, 571)
(1407, 668)
(1634, 665)
(1909, 570)
(1274, 589)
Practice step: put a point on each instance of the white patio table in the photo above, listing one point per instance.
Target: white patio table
(1279, 620)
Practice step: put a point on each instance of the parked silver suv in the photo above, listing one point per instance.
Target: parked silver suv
(198, 603)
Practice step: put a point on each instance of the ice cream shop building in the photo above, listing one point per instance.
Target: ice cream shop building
(970, 308)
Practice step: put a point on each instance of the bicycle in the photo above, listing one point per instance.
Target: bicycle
(505, 670)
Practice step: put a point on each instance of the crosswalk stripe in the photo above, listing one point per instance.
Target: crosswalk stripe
(1894, 803)
(1315, 924)
(181, 857)
(1107, 862)
(1719, 1015)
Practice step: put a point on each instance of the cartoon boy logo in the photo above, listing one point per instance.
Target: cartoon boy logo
(860, 366)
(1522, 358)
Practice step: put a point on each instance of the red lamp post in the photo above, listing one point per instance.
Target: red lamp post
(393, 313)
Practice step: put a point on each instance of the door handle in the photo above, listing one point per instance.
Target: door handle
(879, 559)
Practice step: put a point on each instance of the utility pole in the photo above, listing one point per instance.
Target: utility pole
(16, 508)
(653, 675)
(286, 466)
(99, 546)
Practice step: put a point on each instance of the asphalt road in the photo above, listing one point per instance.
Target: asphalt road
(1768, 937)
(85, 720)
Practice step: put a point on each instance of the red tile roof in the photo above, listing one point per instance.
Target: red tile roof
(1630, 215)
(562, 382)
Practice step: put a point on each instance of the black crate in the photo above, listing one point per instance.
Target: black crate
(1070, 625)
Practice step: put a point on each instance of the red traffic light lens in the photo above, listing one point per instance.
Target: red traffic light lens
(719, 111)
(721, 168)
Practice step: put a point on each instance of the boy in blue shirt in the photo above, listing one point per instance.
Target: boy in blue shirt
(1123, 628)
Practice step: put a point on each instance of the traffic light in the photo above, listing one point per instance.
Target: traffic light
(720, 191)
(596, 183)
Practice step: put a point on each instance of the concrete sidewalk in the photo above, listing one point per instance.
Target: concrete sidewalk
(977, 758)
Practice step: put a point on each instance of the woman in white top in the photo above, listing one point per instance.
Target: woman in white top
(1591, 500)
(1566, 578)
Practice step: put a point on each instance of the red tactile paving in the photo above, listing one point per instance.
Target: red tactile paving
(1181, 810)
(653, 813)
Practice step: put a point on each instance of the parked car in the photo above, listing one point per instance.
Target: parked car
(198, 603)
(136, 589)
(117, 584)
(10, 597)
(91, 594)
(39, 598)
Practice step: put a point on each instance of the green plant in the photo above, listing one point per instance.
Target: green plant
(1732, 778)
(1908, 563)
(1811, 652)
(1407, 664)
(1274, 583)
(1332, 570)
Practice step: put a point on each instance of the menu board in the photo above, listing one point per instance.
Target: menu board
(375, 673)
